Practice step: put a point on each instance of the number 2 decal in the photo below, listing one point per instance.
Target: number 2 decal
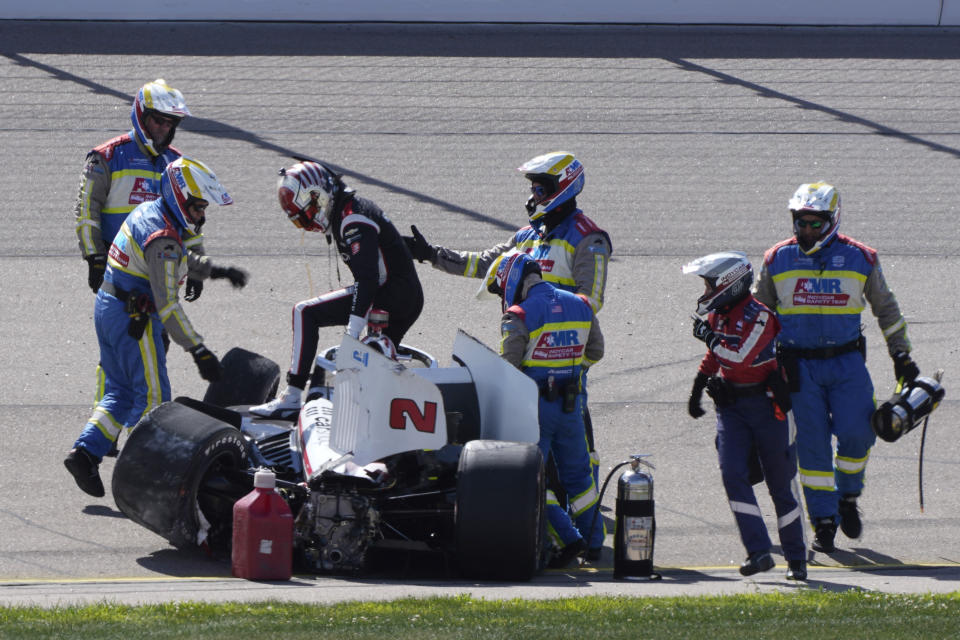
(403, 408)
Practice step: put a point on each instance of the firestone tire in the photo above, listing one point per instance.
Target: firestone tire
(173, 475)
(500, 513)
(248, 378)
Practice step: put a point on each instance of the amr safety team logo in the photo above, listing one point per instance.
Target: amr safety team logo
(558, 345)
(144, 190)
(822, 292)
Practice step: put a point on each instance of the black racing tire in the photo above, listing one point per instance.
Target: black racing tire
(500, 516)
(247, 379)
(176, 464)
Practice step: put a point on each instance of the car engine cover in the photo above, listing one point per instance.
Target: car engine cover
(334, 531)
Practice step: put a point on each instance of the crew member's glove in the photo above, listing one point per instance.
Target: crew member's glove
(96, 266)
(237, 277)
(702, 331)
(210, 368)
(193, 289)
(693, 404)
(904, 368)
(420, 249)
(355, 325)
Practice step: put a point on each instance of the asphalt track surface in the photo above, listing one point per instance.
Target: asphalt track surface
(692, 139)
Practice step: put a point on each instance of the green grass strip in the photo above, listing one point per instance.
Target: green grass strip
(806, 614)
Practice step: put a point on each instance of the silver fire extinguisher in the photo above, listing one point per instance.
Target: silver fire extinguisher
(636, 525)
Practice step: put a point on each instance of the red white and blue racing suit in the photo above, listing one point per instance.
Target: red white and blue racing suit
(553, 336)
(748, 419)
(146, 265)
(819, 299)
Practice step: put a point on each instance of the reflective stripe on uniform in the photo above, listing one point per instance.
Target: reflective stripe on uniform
(151, 368)
(106, 424)
(580, 503)
(817, 480)
(851, 465)
(745, 508)
(786, 520)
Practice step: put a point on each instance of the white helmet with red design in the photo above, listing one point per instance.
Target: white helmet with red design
(727, 277)
(821, 200)
(307, 191)
(187, 186)
(157, 97)
(556, 177)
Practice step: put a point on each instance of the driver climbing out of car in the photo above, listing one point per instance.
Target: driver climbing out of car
(315, 198)
(138, 299)
(553, 336)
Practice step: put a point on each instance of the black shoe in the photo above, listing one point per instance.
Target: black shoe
(757, 562)
(796, 570)
(593, 554)
(850, 522)
(566, 555)
(824, 529)
(81, 466)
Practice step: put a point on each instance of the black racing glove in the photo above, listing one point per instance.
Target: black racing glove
(696, 394)
(702, 331)
(210, 368)
(193, 289)
(96, 265)
(904, 368)
(237, 277)
(420, 249)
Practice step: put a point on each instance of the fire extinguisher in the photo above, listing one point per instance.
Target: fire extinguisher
(636, 525)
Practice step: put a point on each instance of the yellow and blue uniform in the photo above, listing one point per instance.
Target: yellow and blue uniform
(552, 336)
(819, 299)
(146, 264)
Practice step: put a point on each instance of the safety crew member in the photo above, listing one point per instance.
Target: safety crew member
(752, 405)
(315, 198)
(818, 282)
(125, 172)
(573, 252)
(138, 298)
(553, 336)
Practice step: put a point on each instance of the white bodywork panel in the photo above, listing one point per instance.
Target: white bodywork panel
(508, 398)
(381, 407)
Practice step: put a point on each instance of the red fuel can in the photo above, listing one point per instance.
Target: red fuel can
(262, 532)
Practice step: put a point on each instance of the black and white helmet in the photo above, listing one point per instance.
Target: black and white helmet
(728, 276)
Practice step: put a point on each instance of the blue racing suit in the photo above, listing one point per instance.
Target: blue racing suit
(748, 420)
(553, 336)
(146, 265)
(819, 299)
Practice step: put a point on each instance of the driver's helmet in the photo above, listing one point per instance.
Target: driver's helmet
(727, 275)
(559, 177)
(186, 181)
(157, 97)
(382, 343)
(819, 199)
(511, 272)
(307, 191)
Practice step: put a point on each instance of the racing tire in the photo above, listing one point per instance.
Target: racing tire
(500, 511)
(247, 379)
(179, 473)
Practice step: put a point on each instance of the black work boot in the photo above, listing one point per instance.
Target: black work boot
(81, 465)
(566, 555)
(824, 530)
(850, 522)
(756, 562)
(797, 570)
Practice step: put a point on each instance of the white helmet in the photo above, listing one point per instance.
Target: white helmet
(561, 178)
(307, 191)
(184, 183)
(157, 97)
(819, 199)
(728, 276)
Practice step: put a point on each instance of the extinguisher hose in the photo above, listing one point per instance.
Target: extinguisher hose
(596, 514)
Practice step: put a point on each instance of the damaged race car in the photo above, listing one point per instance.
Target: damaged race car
(402, 456)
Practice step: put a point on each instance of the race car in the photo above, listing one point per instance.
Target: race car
(403, 455)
